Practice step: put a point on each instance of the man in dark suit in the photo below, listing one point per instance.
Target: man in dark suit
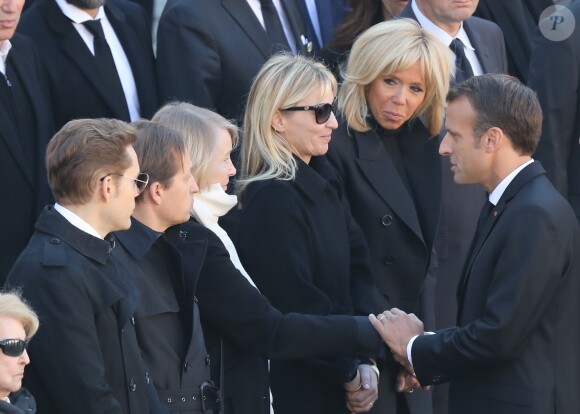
(514, 349)
(208, 52)
(86, 357)
(555, 76)
(483, 46)
(91, 76)
(25, 127)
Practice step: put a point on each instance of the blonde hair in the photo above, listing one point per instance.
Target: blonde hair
(283, 81)
(12, 305)
(198, 127)
(390, 47)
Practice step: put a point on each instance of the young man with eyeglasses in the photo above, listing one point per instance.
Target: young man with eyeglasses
(86, 357)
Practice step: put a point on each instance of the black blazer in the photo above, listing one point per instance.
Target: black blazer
(25, 173)
(398, 223)
(208, 52)
(306, 254)
(515, 347)
(76, 89)
(555, 76)
(252, 329)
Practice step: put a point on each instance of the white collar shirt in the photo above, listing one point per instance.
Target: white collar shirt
(446, 39)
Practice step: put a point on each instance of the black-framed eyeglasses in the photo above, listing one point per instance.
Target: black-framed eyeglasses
(140, 182)
(13, 347)
(321, 111)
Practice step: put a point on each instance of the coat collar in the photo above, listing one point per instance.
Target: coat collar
(53, 223)
(315, 177)
(138, 239)
(241, 12)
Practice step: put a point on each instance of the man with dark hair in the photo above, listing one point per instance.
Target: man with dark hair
(86, 357)
(98, 58)
(25, 128)
(515, 346)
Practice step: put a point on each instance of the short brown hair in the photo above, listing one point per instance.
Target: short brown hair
(504, 102)
(82, 152)
(160, 151)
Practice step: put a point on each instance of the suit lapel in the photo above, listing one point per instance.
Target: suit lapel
(10, 137)
(484, 54)
(528, 173)
(25, 69)
(75, 48)
(130, 44)
(377, 166)
(298, 26)
(249, 23)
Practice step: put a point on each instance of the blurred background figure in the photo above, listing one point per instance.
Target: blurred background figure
(18, 324)
(391, 107)
(555, 76)
(98, 58)
(297, 237)
(25, 128)
(518, 20)
(208, 52)
(323, 16)
(364, 14)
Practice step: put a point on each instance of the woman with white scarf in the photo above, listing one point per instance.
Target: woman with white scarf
(210, 139)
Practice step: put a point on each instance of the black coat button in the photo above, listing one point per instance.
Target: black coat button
(386, 220)
(207, 360)
(389, 260)
(187, 366)
(54, 240)
(132, 385)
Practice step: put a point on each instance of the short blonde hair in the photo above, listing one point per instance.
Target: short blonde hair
(283, 81)
(12, 305)
(390, 47)
(198, 127)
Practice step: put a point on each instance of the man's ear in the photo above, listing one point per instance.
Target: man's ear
(154, 192)
(494, 138)
(107, 188)
(278, 122)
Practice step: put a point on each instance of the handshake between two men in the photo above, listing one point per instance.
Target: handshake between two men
(397, 329)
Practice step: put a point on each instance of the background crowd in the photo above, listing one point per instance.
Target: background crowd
(234, 185)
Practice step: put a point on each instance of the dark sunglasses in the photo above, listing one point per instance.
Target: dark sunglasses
(321, 111)
(13, 347)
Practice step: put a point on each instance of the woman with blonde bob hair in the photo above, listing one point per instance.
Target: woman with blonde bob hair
(392, 104)
(18, 324)
(296, 236)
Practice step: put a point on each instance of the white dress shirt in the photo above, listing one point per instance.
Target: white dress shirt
(77, 16)
(5, 47)
(446, 39)
(76, 221)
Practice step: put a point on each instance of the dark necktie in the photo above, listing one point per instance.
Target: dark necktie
(486, 212)
(273, 25)
(106, 65)
(462, 65)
